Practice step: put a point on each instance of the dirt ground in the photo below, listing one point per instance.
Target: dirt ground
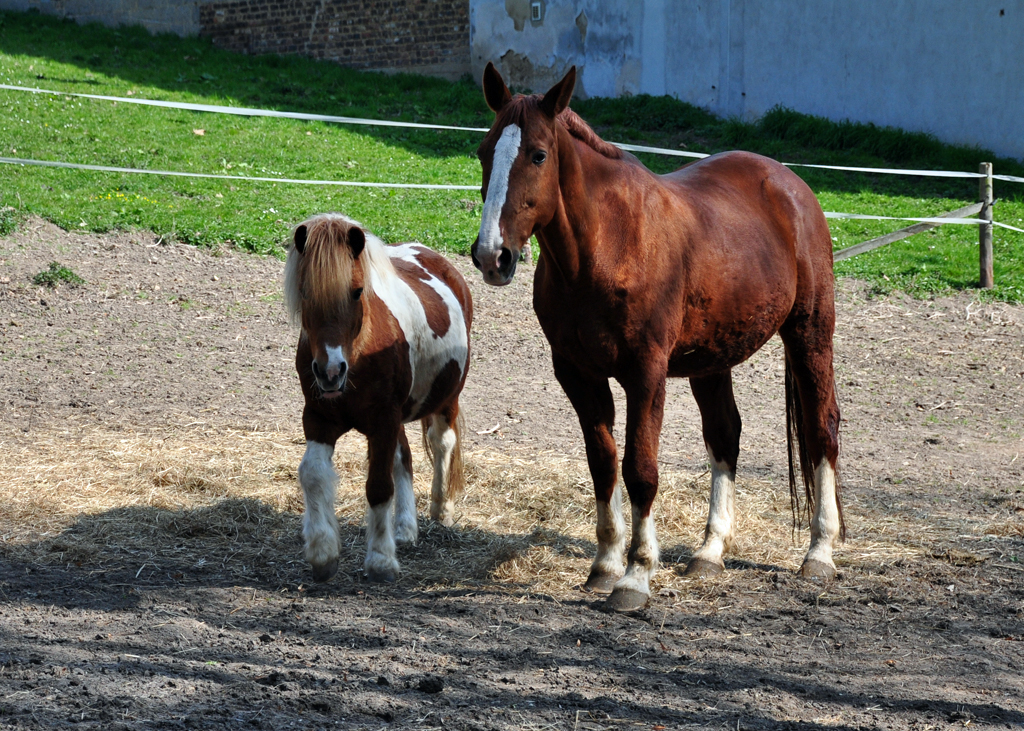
(150, 559)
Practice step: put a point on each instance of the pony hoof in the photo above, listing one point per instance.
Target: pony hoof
(626, 600)
(382, 576)
(700, 568)
(600, 582)
(324, 572)
(818, 570)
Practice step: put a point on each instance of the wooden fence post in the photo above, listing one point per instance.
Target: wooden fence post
(985, 229)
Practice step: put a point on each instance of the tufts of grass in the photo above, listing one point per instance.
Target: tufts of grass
(57, 274)
(9, 220)
(42, 51)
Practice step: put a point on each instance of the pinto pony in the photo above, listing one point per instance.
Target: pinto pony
(384, 341)
(643, 276)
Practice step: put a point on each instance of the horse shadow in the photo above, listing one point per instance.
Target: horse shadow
(247, 541)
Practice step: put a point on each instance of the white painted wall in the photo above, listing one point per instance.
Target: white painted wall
(954, 68)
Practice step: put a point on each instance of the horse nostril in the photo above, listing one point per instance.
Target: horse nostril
(472, 255)
(342, 369)
(504, 259)
(316, 370)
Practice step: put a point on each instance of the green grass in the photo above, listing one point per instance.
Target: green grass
(41, 51)
(56, 274)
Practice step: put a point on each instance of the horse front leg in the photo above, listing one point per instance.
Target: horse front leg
(381, 563)
(595, 408)
(721, 425)
(645, 407)
(319, 483)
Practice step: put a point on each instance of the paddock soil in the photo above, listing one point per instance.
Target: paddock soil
(150, 560)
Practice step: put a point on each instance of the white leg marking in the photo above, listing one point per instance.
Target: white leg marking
(442, 442)
(611, 536)
(319, 525)
(643, 555)
(506, 151)
(406, 530)
(721, 513)
(381, 564)
(825, 523)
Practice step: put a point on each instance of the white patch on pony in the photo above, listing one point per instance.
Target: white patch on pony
(319, 525)
(381, 563)
(442, 440)
(406, 530)
(429, 354)
(825, 522)
(506, 151)
(611, 536)
(721, 513)
(643, 555)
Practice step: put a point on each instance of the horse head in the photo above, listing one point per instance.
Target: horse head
(325, 279)
(520, 160)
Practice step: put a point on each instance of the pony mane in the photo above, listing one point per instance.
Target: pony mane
(321, 275)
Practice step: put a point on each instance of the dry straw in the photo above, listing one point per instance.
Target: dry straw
(197, 502)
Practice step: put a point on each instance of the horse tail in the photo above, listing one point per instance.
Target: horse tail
(795, 432)
(457, 468)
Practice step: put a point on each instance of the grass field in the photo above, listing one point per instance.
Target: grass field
(43, 52)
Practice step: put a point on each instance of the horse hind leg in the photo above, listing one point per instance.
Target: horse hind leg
(721, 426)
(812, 412)
(319, 525)
(442, 436)
(406, 529)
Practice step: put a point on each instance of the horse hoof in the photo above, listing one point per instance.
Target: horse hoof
(382, 576)
(819, 570)
(324, 572)
(699, 568)
(600, 582)
(626, 600)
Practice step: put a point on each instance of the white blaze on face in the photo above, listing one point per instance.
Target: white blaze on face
(506, 151)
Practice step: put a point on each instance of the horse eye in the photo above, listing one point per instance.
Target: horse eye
(357, 293)
(539, 156)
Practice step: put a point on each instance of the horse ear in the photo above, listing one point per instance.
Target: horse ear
(495, 91)
(300, 238)
(356, 241)
(558, 96)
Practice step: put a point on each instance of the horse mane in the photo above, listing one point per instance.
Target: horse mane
(582, 131)
(321, 275)
(515, 113)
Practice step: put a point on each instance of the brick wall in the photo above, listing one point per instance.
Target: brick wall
(424, 36)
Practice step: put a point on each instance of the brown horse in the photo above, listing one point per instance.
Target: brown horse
(645, 276)
(384, 341)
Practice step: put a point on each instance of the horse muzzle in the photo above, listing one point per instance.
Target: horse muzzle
(498, 268)
(331, 380)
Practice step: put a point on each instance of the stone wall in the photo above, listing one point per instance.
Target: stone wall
(421, 36)
(427, 36)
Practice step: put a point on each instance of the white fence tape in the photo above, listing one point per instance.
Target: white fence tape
(961, 221)
(246, 111)
(255, 112)
(172, 173)
(415, 186)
